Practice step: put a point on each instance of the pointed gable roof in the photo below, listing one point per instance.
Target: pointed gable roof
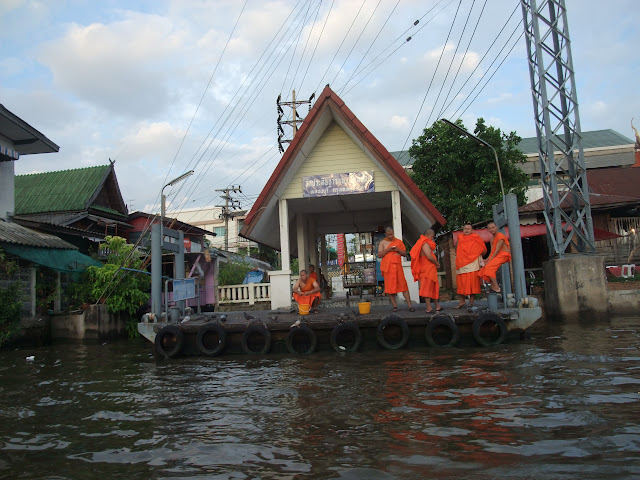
(330, 107)
(69, 191)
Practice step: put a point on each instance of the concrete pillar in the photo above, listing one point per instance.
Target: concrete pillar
(7, 189)
(156, 272)
(575, 287)
(323, 252)
(301, 236)
(284, 235)
(396, 214)
(280, 289)
(180, 273)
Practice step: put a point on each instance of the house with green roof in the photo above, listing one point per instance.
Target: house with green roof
(81, 205)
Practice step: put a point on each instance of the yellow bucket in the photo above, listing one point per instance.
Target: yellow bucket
(364, 307)
(304, 309)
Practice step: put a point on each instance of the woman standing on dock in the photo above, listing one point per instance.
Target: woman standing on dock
(468, 254)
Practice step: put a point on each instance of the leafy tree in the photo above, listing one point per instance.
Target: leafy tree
(123, 290)
(459, 175)
(10, 312)
(233, 273)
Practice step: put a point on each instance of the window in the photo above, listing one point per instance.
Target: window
(219, 231)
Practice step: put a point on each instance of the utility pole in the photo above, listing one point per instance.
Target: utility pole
(295, 117)
(229, 205)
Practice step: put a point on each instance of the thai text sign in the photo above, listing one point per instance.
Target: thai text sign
(184, 289)
(338, 184)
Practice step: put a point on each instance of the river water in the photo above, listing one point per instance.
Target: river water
(563, 404)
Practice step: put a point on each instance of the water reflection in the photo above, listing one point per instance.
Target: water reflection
(562, 405)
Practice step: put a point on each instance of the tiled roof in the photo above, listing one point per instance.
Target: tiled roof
(62, 191)
(17, 234)
(608, 187)
(592, 139)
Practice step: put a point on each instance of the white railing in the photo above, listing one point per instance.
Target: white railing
(246, 293)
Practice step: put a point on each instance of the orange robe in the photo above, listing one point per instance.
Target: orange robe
(470, 247)
(307, 299)
(391, 269)
(489, 270)
(314, 276)
(424, 270)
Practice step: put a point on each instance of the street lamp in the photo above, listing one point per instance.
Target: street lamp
(162, 200)
(481, 142)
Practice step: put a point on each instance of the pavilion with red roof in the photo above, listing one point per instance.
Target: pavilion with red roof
(335, 177)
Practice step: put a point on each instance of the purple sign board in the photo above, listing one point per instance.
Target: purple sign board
(338, 184)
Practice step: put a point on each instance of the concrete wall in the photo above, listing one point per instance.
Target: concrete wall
(623, 302)
(95, 323)
(7, 189)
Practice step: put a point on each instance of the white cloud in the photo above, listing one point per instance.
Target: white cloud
(399, 121)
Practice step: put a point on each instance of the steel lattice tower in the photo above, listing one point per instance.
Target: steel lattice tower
(567, 211)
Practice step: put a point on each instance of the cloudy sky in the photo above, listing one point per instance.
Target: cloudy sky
(163, 86)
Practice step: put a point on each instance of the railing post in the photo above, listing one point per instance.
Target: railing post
(252, 295)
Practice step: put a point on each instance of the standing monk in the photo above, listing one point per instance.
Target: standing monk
(424, 267)
(391, 250)
(468, 253)
(500, 253)
(306, 291)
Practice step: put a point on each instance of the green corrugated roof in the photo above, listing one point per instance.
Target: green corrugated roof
(63, 191)
(108, 210)
(592, 139)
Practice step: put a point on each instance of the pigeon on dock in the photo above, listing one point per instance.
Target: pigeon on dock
(247, 316)
(295, 324)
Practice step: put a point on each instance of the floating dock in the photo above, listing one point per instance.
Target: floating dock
(340, 329)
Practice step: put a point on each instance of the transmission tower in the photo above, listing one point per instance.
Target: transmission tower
(295, 117)
(229, 209)
(567, 211)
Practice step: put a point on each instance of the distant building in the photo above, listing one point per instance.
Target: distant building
(208, 218)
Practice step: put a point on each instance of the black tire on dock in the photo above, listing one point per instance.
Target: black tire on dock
(248, 338)
(349, 330)
(207, 331)
(308, 342)
(397, 334)
(169, 341)
(489, 329)
(437, 323)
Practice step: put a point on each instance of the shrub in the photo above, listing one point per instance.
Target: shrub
(10, 312)
(233, 273)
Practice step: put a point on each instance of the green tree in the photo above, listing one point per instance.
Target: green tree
(123, 290)
(459, 175)
(233, 273)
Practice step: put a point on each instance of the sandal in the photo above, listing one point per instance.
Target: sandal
(439, 309)
(462, 305)
(411, 309)
(395, 309)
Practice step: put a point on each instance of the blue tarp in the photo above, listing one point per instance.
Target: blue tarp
(254, 276)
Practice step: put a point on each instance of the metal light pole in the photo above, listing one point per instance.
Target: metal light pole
(481, 142)
(163, 198)
(157, 242)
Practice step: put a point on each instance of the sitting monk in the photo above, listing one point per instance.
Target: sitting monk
(312, 273)
(500, 253)
(424, 267)
(306, 291)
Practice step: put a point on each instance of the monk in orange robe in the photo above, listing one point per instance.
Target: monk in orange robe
(306, 291)
(391, 250)
(500, 253)
(468, 254)
(312, 273)
(424, 267)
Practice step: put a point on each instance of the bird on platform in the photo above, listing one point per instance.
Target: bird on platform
(247, 316)
(274, 318)
(356, 312)
(295, 324)
(186, 319)
(223, 318)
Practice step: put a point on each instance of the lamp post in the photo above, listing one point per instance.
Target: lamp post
(162, 201)
(481, 142)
